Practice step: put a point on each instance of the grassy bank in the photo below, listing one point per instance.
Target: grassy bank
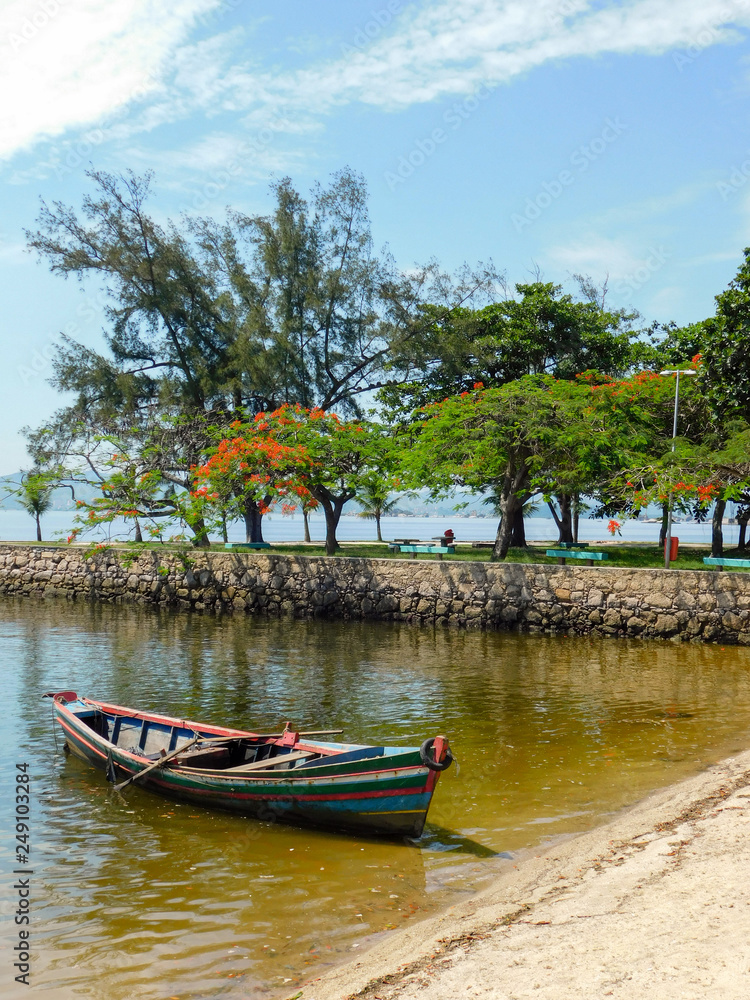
(639, 556)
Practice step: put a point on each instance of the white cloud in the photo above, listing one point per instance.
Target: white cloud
(443, 49)
(67, 64)
(595, 255)
(84, 61)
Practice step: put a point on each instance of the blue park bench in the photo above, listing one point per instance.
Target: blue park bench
(720, 562)
(247, 545)
(562, 554)
(416, 549)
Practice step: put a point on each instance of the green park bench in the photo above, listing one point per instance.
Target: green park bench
(562, 554)
(430, 550)
(247, 545)
(720, 562)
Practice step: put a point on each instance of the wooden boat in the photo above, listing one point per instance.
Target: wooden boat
(286, 777)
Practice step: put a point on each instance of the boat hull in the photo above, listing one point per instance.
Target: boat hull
(388, 794)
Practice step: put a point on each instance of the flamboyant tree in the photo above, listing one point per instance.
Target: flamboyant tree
(297, 454)
(252, 466)
(696, 477)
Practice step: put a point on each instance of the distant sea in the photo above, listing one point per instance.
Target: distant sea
(16, 525)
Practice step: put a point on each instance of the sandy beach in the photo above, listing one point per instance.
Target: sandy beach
(654, 904)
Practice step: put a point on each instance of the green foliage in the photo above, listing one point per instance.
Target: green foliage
(724, 347)
(211, 322)
(541, 331)
(533, 435)
(375, 495)
(35, 495)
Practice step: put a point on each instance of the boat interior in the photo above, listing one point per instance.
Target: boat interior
(151, 740)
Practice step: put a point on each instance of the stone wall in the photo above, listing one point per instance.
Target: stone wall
(679, 604)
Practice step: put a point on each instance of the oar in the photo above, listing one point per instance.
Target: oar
(315, 732)
(157, 763)
(271, 736)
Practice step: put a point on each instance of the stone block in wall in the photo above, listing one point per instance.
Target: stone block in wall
(666, 625)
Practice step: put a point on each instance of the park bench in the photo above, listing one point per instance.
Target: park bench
(427, 549)
(562, 554)
(247, 545)
(483, 545)
(720, 562)
(572, 545)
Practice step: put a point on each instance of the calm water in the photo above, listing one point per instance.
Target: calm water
(138, 897)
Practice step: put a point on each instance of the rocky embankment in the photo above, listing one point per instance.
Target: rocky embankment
(667, 604)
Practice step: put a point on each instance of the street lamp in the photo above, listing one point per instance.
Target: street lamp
(677, 372)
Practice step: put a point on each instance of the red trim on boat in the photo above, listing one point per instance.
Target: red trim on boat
(81, 739)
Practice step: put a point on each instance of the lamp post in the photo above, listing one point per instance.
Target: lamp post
(677, 372)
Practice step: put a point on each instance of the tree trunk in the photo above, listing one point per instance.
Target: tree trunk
(253, 522)
(518, 534)
(377, 526)
(224, 534)
(717, 535)
(742, 541)
(663, 529)
(306, 522)
(564, 520)
(200, 532)
(332, 511)
(576, 516)
(508, 507)
(38, 529)
(138, 536)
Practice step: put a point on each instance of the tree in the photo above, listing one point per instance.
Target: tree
(520, 439)
(518, 535)
(725, 372)
(209, 323)
(540, 331)
(35, 496)
(697, 477)
(375, 494)
(319, 455)
(252, 466)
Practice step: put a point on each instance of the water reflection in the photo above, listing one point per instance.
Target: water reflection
(139, 896)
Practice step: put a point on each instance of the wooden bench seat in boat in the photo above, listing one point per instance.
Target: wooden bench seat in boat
(268, 764)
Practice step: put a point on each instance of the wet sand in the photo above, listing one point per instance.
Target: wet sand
(655, 904)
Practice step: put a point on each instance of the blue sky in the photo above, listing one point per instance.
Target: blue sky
(608, 138)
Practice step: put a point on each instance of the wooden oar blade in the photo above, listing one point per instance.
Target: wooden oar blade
(157, 763)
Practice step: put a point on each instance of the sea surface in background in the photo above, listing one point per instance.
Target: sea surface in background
(16, 525)
(137, 896)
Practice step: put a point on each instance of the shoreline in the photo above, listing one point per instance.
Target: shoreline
(654, 901)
